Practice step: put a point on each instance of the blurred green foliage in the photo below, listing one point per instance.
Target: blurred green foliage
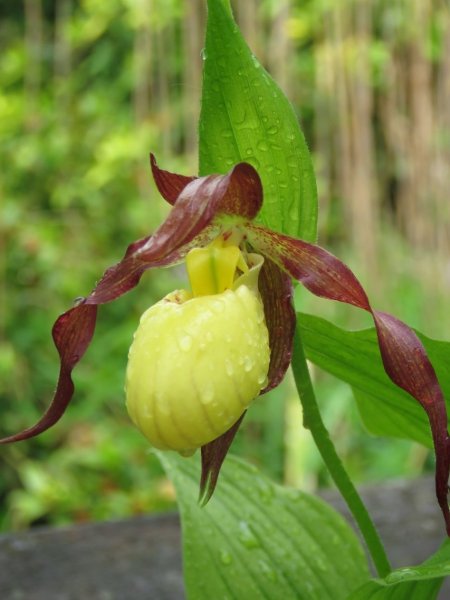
(75, 190)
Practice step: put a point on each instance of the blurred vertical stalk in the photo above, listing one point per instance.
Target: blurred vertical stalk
(192, 42)
(364, 217)
(62, 57)
(33, 66)
(416, 199)
(279, 46)
(351, 31)
(163, 40)
(341, 105)
(248, 17)
(142, 57)
(442, 145)
(324, 138)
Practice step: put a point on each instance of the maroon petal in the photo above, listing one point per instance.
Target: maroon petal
(404, 357)
(276, 291)
(241, 189)
(213, 455)
(72, 334)
(191, 222)
(407, 364)
(319, 271)
(170, 185)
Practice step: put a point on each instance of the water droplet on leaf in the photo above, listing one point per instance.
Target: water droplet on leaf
(268, 571)
(225, 557)
(263, 145)
(246, 536)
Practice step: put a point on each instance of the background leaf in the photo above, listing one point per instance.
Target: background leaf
(410, 583)
(257, 540)
(246, 117)
(353, 357)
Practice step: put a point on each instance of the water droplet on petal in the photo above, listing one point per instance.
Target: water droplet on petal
(262, 380)
(185, 343)
(218, 306)
(207, 394)
(229, 369)
(249, 363)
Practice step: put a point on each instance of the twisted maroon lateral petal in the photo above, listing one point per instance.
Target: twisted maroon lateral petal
(213, 455)
(404, 358)
(407, 364)
(170, 185)
(72, 334)
(191, 222)
(276, 292)
(319, 271)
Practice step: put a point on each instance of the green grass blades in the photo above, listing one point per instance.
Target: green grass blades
(258, 540)
(421, 582)
(353, 357)
(246, 117)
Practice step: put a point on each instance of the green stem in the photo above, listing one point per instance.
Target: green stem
(312, 420)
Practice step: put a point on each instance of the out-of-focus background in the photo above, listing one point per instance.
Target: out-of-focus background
(87, 89)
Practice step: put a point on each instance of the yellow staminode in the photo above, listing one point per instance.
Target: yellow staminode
(212, 269)
(197, 362)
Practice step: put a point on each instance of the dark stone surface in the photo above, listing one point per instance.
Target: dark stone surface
(134, 559)
(140, 558)
(406, 515)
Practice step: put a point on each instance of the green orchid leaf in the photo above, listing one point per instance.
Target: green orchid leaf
(257, 540)
(410, 583)
(246, 117)
(354, 357)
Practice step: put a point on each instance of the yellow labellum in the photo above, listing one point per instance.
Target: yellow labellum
(196, 364)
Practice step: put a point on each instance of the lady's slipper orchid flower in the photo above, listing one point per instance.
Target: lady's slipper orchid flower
(200, 357)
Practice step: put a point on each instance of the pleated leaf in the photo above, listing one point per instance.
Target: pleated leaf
(258, 540)
(246, 117)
